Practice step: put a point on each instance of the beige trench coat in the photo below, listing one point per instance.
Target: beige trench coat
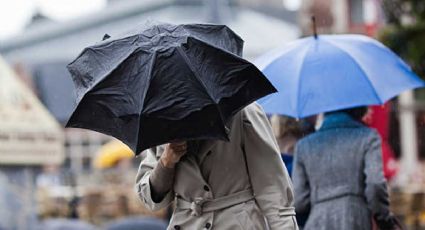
(222, 169)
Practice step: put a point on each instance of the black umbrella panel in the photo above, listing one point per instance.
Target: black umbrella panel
(168, 82)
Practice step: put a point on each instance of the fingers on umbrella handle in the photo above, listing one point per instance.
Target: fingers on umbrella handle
(172, 154)
(178, 148)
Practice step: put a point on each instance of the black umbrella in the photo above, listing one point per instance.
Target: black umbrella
(164, 82)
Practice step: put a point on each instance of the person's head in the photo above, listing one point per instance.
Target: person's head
(356, 113)
(308, 124)
(286, 126)
(287, 131)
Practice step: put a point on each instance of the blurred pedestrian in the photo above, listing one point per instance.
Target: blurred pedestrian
(288, 132)
(50, 176)
(338, 175)
(214, 182)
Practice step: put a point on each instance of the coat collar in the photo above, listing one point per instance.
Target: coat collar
(206, 145)
(192, 162)
(339, 120)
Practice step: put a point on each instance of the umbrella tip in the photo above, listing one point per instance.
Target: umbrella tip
(106, 36)
(314, 27)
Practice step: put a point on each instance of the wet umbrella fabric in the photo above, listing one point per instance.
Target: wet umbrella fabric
(333, 72)
(164, 82)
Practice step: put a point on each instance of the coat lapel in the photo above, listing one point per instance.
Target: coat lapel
(190, 165)
(204, 148)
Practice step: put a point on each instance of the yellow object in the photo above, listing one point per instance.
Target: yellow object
(110, 153)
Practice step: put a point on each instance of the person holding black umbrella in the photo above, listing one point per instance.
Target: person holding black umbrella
(167, 83)
(240, 184)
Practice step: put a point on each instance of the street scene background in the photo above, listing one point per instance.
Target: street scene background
(51, 172)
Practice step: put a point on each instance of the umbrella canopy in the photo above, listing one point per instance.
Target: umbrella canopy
(110, 153)
(164, 82)
(333, 72)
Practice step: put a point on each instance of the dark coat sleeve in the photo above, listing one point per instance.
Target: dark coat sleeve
(376, 191)
(301, 183)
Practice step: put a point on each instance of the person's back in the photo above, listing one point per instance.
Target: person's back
(338, 176)
(335, 161)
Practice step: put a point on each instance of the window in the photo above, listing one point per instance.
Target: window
(356, 11)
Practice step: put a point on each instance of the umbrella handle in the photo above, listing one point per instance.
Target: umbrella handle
(313, 25)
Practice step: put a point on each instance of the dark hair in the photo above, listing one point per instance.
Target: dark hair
(356, 113)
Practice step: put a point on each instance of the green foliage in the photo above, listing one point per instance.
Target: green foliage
(405, 33)
(395, 10)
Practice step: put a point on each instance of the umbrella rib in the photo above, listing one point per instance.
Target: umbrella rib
(145, 91)
(99, 79)
(195, 73)
(359, 66)
(148, 81)
(271, 56)
(299, 80)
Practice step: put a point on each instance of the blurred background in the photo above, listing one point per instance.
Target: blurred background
(47, 171)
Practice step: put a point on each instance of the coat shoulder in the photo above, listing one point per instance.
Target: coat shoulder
(253, 110)
(362, 132)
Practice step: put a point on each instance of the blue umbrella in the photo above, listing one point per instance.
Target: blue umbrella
(332, 72)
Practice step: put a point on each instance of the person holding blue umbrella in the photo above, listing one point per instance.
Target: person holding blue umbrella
(338, 176)
(337, 173)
